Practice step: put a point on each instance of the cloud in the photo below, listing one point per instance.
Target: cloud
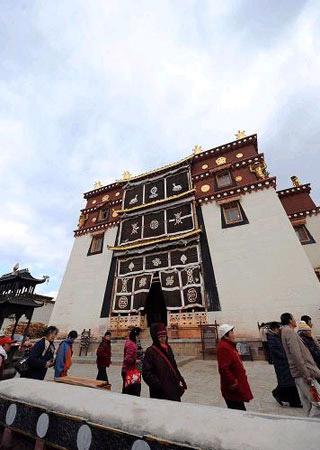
(89, 89)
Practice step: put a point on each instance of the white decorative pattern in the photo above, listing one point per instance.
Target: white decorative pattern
(192, 295)
(183, 259)
(170, 280)
(153, 192)
(134, 200)
(135, 228)
(190, 276)
(123, 302)
(178, 218)
(156, 262)
(154, 224)
(124, 287)
(143, 282)
(131, 266)
(176, 187)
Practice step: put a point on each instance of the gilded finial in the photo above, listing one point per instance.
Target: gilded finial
(197, 149)
(240, 134)
(97, 184)
(126, 175)
(295, 181)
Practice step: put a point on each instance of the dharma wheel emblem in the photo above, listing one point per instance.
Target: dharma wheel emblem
(123, 302)
(154, 224)
(153, 192)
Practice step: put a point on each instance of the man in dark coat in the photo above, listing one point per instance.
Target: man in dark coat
(160, 370)
(235, 388)
(104, 357)
(286, 391)
(42, 355)
(304, 331)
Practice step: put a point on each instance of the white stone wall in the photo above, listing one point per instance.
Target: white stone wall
(313, 250)
(43, 314)
(261, 268)
(79, 301)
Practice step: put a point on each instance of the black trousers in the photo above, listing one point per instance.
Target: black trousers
(102, 374)
(235, 405)
(288, 394)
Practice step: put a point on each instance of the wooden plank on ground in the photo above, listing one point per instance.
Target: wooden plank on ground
(86, 382)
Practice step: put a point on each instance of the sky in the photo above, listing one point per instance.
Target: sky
(91, 88)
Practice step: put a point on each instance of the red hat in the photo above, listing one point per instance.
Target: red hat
(161, 329)
(6, 340)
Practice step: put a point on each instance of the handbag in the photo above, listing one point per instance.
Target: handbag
(133, 376)
(315, 393)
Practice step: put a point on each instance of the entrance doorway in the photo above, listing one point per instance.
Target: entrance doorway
(155, 308)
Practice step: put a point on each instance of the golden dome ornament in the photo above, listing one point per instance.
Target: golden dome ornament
(205, 188)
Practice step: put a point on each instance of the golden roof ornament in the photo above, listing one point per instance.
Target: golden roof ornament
(240, 134)
(197, 149)
(295, 181)
(260, 169)
(97, 184)
(126, 175)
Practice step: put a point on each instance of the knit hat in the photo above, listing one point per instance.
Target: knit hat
(303, 326)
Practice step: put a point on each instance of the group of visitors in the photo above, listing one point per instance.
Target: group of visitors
(295, 356)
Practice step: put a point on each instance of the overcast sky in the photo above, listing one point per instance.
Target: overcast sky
(90, 88)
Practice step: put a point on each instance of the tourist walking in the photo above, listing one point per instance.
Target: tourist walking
(104, 357)
(64, 354)
(302, 366)
(5, 346)
(286, 390)
(304, 331)
(41, 355)
(235, 388)
(160, 370)
(130, 373)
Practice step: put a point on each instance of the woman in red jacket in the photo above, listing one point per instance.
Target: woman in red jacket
(234, 384)
(104, 357)
(130, 372)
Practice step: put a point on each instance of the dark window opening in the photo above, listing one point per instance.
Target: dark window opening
(232, 214)
(304, 235)
(103, 214)
(96, 245)
(224, 179)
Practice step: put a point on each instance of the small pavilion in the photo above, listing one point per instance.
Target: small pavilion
(17, 296)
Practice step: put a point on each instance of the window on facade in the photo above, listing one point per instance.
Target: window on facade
(103, 214)
(96, 245)
(223, 179)
(232, 213)
(303, 235)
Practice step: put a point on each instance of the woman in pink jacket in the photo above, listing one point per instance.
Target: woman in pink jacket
(131, 375)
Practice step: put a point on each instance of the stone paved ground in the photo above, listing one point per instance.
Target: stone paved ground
(203, 384)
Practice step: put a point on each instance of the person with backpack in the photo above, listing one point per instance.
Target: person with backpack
(41, 356)
(104, 357)
(160, 370)
(64, 355)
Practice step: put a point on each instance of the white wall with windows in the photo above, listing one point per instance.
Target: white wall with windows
(261, 268)
(313, 250)
(79, 301)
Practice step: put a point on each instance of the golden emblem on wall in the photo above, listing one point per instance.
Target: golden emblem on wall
(117, 194)
(197, 149)
(259, 168)
(105, 198)
(97, 184)
(240, 134)
(114, 213)
(82, 220)
(126, 175)
(295, 181)
(239, 178)
(205, 188)
(204, 167)
(239, 155)
(221, 160)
